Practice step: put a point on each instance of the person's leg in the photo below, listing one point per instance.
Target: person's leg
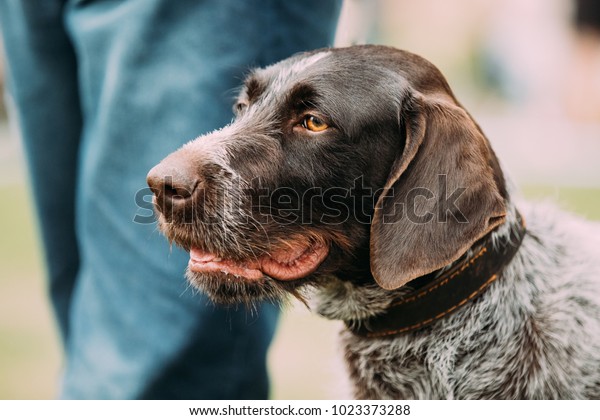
(154, 74)
(42, 82)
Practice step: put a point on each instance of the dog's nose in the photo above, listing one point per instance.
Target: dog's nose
(173, 183)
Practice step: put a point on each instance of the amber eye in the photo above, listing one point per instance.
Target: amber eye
(312, 123)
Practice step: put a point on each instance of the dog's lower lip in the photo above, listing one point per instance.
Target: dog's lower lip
(296, 263)
(284, 265)
(204, 262)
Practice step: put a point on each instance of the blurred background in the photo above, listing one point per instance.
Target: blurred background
(528, 72)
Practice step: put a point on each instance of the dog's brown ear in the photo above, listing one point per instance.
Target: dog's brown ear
(444, 192)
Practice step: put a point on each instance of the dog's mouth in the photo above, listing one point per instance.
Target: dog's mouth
(295, 261)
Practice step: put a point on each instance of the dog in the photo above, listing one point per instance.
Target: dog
(355, 172)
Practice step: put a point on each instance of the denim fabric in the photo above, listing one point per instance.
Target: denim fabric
(104, 89)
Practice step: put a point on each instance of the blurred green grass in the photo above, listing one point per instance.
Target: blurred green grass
(304, 361)
(29, 352)
(583, 201)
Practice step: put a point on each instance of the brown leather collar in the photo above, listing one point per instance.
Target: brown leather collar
(434, 298)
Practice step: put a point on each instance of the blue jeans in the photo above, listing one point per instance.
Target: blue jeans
(104, 90)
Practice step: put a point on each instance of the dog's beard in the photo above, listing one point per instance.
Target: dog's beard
(226, 289)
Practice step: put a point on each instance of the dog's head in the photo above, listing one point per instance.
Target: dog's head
(357, 162)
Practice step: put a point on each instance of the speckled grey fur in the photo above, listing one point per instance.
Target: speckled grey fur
(534, 334)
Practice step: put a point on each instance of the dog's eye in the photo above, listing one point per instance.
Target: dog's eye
(312, 123)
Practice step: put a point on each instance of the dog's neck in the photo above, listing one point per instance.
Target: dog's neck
(370, 311)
